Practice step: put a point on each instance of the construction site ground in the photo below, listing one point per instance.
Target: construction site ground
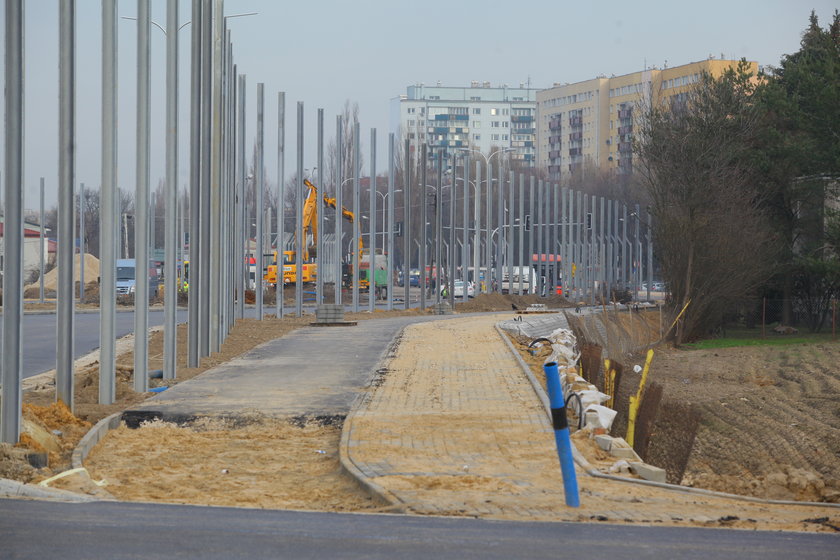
(768, 429)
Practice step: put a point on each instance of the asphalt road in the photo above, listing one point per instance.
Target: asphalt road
(33, 529)
(39, 336)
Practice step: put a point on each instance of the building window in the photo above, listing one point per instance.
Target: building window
(411, 122)
(504, 136)
(505, 124)
(475, 98)
(494, 124)
(476, 124)
(504, 111)
(476, 136)
(494, 137)
(476, 111)
(494, 112)
(410, 110)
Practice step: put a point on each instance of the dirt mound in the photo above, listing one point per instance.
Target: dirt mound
(504, 302)
(51, 277)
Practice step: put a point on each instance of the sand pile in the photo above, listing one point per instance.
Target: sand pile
(91, 273)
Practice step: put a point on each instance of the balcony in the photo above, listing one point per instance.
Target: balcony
(554, 169)
(575, 121)
(522, 118)
(625, 148)
(522, 131)
(554, 154)
(625, 114)
(575, 151)
(623, 130)
(554, 124)
(575, 136)
(554, 139)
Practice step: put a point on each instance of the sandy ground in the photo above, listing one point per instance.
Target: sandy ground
(740, 373)
(501, 457)
(266, 464)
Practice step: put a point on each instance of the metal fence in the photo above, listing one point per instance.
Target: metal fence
(781, 315)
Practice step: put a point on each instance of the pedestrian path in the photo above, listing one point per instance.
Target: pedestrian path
(455, 428)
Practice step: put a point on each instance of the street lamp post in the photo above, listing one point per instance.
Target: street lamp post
(488, 246)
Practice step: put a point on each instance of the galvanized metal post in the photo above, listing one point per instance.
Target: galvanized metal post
(637, 261)
(390, 266)
(41, 245)
(170, 287)
(216, 179)
(259, 210)
(206, 172)
(65, 302)
(241, 252)
(488, 241)
(279, 286)
(319, 206)
(424, 218)
(357, 258)
(438, 225)
(193, 279)
(339, 199)
(532, 285)
(450, 258)
(523, 263)
(108, 212)
(141, 216)
(511, 189)
(10, 407)
(406, 196)
(477, 278)
(81, 243)
(500, 224)
(465, 223)
(564, 242)
(540, 237)
(648, 236)
(299, 214)
(372, 222)
(555, 237)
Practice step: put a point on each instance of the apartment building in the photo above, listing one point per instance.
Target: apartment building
(479, 117)
(590, 124)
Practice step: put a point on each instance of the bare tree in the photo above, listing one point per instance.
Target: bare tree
(714, 240)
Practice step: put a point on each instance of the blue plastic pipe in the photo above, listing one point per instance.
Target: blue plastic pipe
(561, 434)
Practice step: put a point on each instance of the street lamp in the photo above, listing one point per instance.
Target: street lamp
(488, 244)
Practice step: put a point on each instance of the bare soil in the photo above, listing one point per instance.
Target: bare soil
(769, 424)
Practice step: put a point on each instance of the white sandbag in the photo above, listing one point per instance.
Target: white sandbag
(605, 416)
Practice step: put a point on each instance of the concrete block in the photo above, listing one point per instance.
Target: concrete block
(621, 449)
(648, 472)
(604, 442)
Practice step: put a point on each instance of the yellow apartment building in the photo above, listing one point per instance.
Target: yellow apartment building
(590, 124)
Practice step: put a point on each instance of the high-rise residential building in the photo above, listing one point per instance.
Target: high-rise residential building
(478, 117)
(591, 123)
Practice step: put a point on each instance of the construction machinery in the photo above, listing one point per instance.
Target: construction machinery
(309, 233)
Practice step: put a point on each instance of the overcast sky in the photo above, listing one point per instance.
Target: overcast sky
(326, 52)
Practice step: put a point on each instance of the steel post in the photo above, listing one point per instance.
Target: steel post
(424, 218)
(390, 266)
(82, 243)
(339, 227)
(319, 205)
(279, 286)
(299, 234)
(356, 231)
(522, 261)
(259, 250)
(204, 271)
(10, 408)
(170, 291)
(407, 223)
(372, 195)
(193, 283)
(41, 244)
(108, 201)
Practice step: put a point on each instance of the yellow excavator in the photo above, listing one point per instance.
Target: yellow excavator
(309, 231)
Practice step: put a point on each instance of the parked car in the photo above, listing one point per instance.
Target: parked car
(414, 277)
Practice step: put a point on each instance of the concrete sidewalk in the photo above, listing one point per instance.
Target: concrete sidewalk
(313, 371)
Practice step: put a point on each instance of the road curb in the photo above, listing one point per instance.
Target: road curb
(15, 489)
(593, 472)
(345, 444)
